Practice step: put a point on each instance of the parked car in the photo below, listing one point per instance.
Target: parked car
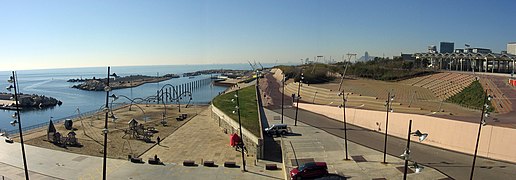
(309, 170)
(277, 129)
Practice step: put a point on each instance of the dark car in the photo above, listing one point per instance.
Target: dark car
(309, 170)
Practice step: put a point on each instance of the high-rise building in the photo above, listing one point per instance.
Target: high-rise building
(366, 56)
(511, 48)
(446, 47)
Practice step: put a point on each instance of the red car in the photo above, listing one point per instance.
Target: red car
(309, 170)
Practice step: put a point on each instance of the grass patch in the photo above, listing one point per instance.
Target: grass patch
(471, 97)
(248, 108)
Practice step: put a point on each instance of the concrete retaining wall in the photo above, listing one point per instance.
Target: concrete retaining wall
(253, 144)
(495, 142)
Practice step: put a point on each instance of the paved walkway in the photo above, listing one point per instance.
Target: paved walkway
(208, 140)
(200, 138)
(312, 144)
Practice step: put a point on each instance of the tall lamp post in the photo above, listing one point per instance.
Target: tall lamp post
(389, 109)
(343, 106)
(240, 127)
(282, 95)
(482, 122)
(406, 154)
(17, 120)
(298, 96)
(105, 130)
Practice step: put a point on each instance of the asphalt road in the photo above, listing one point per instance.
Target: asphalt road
(455, 165)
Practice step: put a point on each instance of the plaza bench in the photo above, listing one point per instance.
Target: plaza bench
(188, 163)
(209, 163)
(271, 167)
(229, 164)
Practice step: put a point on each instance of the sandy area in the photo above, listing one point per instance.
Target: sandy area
(89, 131)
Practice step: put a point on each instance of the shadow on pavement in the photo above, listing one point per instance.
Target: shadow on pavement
(332, 177)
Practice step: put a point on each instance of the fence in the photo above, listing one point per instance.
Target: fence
(15, 132)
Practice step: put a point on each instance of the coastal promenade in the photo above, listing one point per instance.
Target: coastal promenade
(198, 139)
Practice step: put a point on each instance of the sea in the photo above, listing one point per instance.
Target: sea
(53, 83)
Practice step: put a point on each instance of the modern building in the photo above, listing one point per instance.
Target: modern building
(477, 50)
(446, 47)
(511, 48)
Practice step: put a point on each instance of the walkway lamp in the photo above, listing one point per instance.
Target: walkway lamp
(406, 154)
(237, 110)
(485, 114)
(17, 119)
(105, 131)
(298, 96)
(282, 96)
(389, 109)
(343, 106)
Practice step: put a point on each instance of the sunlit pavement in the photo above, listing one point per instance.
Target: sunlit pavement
(52, 164)
(312, 144)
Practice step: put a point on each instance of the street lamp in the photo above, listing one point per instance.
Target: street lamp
(17, 119)
(282, 96)
(406, 154)
(389, 109)
(237, 107)
(105, 130)
(298, 96)
(485, 114)
(343, 106)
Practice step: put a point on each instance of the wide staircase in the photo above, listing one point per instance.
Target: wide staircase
(500, 102)
(443, 85)
(317, 95)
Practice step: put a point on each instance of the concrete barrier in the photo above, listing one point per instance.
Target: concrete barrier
(253, 143)
(495, 142)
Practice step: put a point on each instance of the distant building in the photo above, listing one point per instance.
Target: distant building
(511, 48)
(432, 49)
(477, 50)
(366, 56)
(446, 47)
(407, 57)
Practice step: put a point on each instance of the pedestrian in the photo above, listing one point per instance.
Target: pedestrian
(158, 139)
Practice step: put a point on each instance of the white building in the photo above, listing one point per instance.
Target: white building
(511, 48)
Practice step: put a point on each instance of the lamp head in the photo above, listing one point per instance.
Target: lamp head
(115, 97)
(483, 122)
(9, 87)
(15, 115)
(107, 88)
(14, 122)
(11, 79)
(423, 137)
(105, 130)
(234, 112)
(406, 155)
(489, 97)
(418, 167)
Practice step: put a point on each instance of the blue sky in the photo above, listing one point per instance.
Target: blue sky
(56, 34)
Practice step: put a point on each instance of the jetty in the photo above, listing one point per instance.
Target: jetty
(95, 84)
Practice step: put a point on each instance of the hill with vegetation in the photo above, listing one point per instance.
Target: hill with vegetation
(383, 69)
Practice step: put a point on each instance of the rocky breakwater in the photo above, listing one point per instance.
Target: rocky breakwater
(27, 101)
(120, 82)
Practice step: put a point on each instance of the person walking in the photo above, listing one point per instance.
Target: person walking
(158, 140)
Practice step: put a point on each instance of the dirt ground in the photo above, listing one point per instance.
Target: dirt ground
(89, 130)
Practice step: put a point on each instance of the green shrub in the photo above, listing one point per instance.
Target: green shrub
(471, 97)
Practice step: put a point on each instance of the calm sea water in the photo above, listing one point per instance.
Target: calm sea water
(52, 82)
